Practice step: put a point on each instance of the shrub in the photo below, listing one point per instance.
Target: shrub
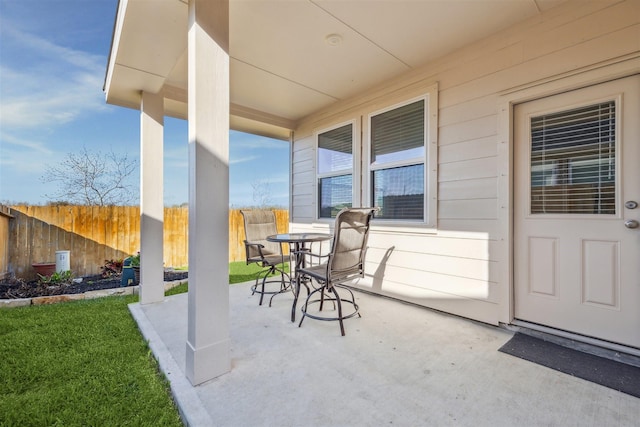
(112, 267)
(56, 278)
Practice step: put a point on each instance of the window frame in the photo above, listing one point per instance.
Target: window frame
(354, 170)
(429, 160)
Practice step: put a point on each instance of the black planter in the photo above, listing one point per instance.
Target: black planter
(136, 274)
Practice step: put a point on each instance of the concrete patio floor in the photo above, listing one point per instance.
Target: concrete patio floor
(398, 365)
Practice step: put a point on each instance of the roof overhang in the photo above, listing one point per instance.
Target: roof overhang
(289, 59)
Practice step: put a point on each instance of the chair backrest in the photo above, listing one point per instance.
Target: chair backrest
(350, 243)
(258, 224)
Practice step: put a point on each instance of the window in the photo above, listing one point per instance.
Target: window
(335, 170)
(397, 161)
(573, 161)
(386, 158)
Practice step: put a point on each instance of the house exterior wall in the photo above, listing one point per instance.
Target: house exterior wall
(463, 266)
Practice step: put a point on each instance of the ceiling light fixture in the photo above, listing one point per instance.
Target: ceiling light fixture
(333, 39)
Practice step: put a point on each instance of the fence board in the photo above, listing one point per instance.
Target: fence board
(5, 217)
(94, 234)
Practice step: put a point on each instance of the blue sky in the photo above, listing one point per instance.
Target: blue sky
(53, 56)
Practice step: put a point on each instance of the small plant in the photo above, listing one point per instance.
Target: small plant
(57, 278)
(112, 267)
(135, 260)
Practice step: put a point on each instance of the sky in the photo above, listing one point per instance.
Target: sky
(53, 58)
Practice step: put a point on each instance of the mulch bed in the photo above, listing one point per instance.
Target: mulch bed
(13, 288)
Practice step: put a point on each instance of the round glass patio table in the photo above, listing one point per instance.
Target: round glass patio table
(297, 243)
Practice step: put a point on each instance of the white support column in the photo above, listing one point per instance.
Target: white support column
(151, 198)
(208, 324)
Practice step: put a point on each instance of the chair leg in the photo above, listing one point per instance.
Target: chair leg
(282, 285)
(264, 279)
(261, 275)
(255, 285)
(304, 310)
(322, 299)
(339, 302)
(264, 283)
(337, 305)
(305, 306)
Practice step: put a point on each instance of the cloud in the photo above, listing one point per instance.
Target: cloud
(22, 143)
(279, 179)
(44, 84)
(243, 160)
(176, 157)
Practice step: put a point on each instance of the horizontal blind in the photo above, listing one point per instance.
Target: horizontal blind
(397, 130)
(335, 164)
(573, 161)
(335, 149)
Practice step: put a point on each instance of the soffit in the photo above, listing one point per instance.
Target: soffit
(281, 63)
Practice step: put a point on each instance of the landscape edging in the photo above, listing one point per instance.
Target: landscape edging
(54, 299)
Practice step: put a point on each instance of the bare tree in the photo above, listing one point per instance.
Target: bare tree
(262, 193)
(93, 178)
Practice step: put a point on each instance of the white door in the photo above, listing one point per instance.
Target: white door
(576, 203)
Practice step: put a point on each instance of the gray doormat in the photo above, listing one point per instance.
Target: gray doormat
(600, 370)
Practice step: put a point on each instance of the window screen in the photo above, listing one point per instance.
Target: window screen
(399, 192)
(335, 164)
(573, 161)
(334, 193)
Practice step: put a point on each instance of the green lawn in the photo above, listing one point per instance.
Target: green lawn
(79, 363)
(240, 272)
(84, 363)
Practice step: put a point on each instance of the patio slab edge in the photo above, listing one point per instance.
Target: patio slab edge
(190, 407)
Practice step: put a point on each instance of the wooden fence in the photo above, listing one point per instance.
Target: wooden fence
(5, 218)
(94, 234)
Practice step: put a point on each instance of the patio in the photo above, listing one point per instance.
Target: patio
(398, 365)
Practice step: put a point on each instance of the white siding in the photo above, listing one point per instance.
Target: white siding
(464, 266)
(303, 172)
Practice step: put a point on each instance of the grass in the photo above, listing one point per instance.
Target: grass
(84, 363)
(239, 272)
(79, 363)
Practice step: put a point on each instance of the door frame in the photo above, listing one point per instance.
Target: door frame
(507, 99)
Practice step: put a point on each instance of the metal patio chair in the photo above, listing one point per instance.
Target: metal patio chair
(344, 263)
(258, 225)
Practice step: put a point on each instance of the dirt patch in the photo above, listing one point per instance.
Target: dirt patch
(17, 288)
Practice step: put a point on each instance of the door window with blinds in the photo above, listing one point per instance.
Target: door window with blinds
(335, 170)
(573, 161)
(397, 161)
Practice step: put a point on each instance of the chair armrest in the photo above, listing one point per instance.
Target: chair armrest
(257, 246)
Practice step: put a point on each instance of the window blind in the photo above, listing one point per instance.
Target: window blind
(573, 161)
(335, 164)
(335, 149)
(399, 130)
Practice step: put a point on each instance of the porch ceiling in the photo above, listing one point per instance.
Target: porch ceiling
(283, 65)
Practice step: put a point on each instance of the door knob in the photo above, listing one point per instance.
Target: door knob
(631, 223)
